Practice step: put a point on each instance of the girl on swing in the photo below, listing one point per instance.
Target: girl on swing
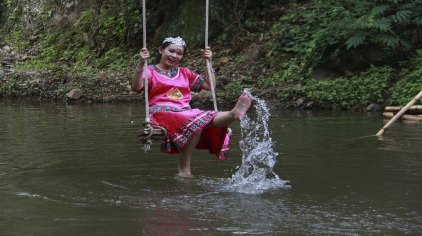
(170, 87)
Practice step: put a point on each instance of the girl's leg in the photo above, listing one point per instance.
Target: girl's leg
(238, 112)
(186, 157)
(221, 120)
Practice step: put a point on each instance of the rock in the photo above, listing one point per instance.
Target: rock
(25, 57)
(253, 52)
(224, 60)
(202, 99)
(124, 83)
(109, 98)
(309, 105)
(299, 102)
(9, 70)
(74, 94)
(7, 62)
(6, 49)
(375, 108)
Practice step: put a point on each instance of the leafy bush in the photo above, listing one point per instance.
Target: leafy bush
(3, 12)
(232, 89)
(293, 38)
(406, 89)
(289, 72)
(342, 92)
(411, 82)
(385, 23)
(114, 59)
(324, 29)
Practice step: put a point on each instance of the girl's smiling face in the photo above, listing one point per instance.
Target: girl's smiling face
(171, 56)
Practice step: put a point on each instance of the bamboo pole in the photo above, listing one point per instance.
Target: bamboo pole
(398, 108)
(400, 113)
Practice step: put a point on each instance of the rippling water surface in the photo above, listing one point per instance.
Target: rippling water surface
(80, 170)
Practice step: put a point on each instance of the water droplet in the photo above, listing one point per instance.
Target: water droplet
(255, 174)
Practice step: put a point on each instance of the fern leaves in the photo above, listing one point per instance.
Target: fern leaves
(402, 17)
(384, 23)
(379, 10)
(355, 40)
(387, 40)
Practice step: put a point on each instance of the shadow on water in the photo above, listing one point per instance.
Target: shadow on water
(80, 170)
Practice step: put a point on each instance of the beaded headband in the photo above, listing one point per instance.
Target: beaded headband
(178, 41)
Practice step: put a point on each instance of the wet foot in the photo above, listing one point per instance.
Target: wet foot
(242, 105)
(187, 176)
(184, 173)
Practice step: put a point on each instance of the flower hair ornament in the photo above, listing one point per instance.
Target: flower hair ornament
(178, 41)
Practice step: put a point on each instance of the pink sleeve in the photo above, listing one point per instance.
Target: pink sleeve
(195, 80)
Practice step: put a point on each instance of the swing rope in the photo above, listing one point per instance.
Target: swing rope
(150, 131)
(210, 71)
(211, 75)
(145, 69)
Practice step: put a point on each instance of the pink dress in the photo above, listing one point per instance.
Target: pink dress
(169, 97)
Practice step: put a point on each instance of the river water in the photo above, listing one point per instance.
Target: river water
(80, 170)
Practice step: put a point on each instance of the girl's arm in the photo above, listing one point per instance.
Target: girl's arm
(207, 55)
(138, 77)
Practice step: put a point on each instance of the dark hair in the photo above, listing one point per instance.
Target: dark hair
(166, 44)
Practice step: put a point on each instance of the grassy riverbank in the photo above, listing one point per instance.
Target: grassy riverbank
(312, 54)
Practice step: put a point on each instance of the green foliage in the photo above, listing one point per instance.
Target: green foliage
(384, 23)
(97, 41)
(290, 72)
(115, 59)
(295, 36)
(325, 28)
(9, 87)
(308, 30)
(38, 65)
(17, 37)
(406, 89)
(233, 88)
(3, 14)
(343, 93)
(308, 35)
(355, 40)
(18, 86)
(411, 82)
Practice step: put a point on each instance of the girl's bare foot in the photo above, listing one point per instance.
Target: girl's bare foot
(186, 176)
(184, 173)
(242, 105)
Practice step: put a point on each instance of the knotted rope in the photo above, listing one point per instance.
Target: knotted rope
(149, 131)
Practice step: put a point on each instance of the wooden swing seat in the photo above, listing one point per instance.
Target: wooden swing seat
(149, 131)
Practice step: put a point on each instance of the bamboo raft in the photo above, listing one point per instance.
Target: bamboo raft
(401, 112)
(414, 113)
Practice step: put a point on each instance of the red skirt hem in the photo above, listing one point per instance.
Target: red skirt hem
(183, 126)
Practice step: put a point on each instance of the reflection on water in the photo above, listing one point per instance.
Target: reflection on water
(80, 170)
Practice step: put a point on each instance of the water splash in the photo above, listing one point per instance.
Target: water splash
(146, 146)
(256, 173)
